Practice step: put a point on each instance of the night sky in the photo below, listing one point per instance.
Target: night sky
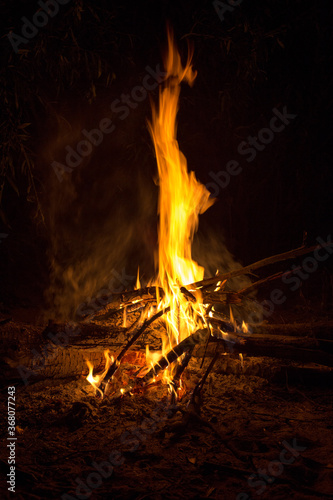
(255, 61)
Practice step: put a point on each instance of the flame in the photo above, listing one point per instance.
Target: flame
(125, 317)
(220, 285)
(241, 360)
(95, 380)
(152, 357)
(245, 328)
(181, 199)
(137, 284)
(232, 319)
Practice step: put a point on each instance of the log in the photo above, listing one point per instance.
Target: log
(275, 370)
(31, 353)
(316, 327)
(28, 354)
(303, 350)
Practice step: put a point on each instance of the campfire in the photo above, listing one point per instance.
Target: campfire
(188, 314)
(193, 310)
(166, 298)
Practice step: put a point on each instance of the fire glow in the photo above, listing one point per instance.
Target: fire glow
(95, 380)
(182, 198)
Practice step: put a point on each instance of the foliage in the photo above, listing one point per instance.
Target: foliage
(69, 55)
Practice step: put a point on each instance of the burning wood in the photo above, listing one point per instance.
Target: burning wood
(116, 363)
(179, 294)
(181, 199)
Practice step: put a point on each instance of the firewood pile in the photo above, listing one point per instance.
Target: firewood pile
(56, 354)
(222, 369)
(228, 334)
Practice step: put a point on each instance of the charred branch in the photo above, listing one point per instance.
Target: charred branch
(187, 344)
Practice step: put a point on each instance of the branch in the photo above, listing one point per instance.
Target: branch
(184, 346)
(291, 254)
(135, 337)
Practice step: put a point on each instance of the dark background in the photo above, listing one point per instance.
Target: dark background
(64, 239)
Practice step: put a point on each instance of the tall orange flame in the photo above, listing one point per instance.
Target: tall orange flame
(181, 199)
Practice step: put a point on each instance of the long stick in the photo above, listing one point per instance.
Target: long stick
(291, 254)
(258, 283)
(179, 371)
(200, 385)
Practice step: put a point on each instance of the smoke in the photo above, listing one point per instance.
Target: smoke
(101, 219)
(98, 217)
(210, 251)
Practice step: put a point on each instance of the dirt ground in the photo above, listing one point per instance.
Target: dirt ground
(253, 439)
